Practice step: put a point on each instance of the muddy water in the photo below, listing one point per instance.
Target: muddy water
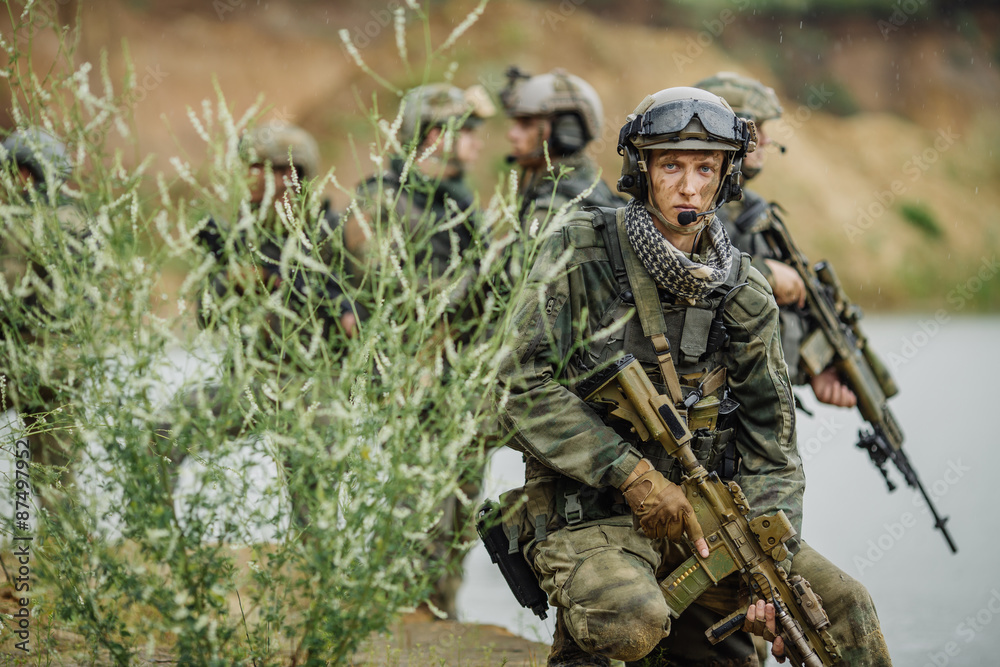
(936, 608)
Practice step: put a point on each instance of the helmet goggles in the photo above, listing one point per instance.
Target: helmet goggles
(649, 130)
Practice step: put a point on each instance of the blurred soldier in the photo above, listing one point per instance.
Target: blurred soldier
(39, 165)
(280, 159)
(440, 124)
(554, 117)
(440, 131)
(745, 218)
(280, 156)
(664, 268)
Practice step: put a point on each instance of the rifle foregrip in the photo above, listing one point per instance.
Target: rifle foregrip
(724, 628)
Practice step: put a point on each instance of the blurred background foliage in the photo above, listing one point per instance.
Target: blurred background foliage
(868, 87)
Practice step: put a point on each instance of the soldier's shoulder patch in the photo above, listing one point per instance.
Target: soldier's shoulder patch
(579, 232)
(756, 296)
(755, 277)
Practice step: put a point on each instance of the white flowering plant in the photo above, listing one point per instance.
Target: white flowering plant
(226, 473)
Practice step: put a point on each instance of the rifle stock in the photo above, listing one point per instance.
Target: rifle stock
(838, 339)
(736, 544)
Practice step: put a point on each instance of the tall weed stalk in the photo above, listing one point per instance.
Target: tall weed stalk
(246, 483)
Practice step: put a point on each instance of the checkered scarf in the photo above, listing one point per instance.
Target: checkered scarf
(671, 268)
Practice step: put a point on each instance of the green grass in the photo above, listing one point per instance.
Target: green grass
(921, 217)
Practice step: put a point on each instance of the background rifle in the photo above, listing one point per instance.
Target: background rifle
(751, 547)
(837, 339)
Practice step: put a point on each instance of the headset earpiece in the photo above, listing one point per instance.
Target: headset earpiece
(631, 181)
(568, 134)
(732, 186)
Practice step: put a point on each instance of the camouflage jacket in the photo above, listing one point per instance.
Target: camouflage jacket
(543, 192)
(45, 274)
(560, 327)
(425, 208)
(302, 284)
(33, 237)
(423, 204)
(744, 221)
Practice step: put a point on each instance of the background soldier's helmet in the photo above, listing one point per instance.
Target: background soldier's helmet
(275, 142)
(684, 119)
(748, 97)
(570, 102)
(437, 105)
(41, 153)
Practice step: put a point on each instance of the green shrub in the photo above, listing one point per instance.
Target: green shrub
(262, 459)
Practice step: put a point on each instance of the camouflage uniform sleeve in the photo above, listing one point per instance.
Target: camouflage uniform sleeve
(542, 417)
(760, 264)
(542, 208)
(771, 474)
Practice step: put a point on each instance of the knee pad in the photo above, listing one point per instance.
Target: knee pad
(622, 634)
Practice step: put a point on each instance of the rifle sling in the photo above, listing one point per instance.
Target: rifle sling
(647, 305)
(750, 215)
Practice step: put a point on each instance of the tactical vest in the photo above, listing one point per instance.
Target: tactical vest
(696, 338)
(541, 190)
(426, 201)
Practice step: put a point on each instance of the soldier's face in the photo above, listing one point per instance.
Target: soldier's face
(683, 180)
(468, 145)
(525, 136)
(463, 153)
(25, 176)
(258, 181)
(757, 159)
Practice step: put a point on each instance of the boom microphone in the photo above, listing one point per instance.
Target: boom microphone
(687, 217)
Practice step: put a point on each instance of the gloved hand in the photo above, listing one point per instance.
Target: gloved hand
(760, 621)
(661, 507)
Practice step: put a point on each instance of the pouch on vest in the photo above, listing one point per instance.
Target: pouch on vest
(500, 532)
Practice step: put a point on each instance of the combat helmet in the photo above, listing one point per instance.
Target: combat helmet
(748, 97)
(275, 142)
(437, 104)
(40, 153)
(684, 119)
(572, 104)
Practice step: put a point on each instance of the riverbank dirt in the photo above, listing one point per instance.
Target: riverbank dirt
(416, 640)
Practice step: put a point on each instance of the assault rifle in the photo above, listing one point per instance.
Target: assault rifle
(752, 547)
(837, 339)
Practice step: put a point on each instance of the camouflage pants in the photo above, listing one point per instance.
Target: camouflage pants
(604, 575)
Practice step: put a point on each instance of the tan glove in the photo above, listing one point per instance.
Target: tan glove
(660, 505)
